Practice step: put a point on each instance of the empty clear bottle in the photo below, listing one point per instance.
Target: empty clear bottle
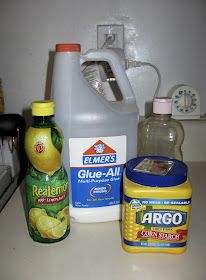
(160, 134)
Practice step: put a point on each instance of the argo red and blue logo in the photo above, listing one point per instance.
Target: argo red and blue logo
(99, 153)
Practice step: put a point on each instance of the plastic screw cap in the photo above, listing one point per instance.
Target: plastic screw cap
(162, 105)
(68, 48)
(42, 108)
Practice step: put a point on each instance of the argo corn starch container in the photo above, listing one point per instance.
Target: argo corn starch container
(156, 207)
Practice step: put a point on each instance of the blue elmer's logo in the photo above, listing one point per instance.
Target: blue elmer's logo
(162, 218)
(99, 153)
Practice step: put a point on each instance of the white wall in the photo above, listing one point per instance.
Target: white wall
(167, 33)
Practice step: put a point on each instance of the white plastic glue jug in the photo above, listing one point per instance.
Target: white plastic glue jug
(99, 135)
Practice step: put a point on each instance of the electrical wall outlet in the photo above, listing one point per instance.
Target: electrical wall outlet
(110, 36)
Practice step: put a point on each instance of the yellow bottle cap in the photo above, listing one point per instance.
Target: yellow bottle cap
(42, 108)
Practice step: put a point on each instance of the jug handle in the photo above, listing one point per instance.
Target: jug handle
(119, 73)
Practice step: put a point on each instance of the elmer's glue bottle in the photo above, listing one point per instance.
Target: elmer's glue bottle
(99, 135)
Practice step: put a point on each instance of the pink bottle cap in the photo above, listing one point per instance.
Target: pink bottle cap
(162, 105)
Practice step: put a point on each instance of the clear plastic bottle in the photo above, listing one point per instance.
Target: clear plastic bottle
(160, 134)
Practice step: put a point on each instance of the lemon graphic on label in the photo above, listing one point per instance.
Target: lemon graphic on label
(43, 147)
(44, 224)
(57, 231)
(34, 215)
(64, 215)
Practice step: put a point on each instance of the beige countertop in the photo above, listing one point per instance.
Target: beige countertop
(93, 251)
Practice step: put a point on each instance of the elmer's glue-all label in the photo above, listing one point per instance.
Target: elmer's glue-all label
(96, 171)
(157, 202)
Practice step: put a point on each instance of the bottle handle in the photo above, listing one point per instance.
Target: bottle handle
(112, 58)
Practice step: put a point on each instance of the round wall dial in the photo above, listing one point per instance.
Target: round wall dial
(186, 102)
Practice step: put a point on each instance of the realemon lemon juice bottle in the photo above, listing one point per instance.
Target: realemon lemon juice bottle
(46, 179)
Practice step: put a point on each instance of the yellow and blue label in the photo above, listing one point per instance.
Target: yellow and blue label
(96, 170)
(156, 223)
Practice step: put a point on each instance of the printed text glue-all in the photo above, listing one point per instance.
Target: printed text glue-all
(99, 135)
